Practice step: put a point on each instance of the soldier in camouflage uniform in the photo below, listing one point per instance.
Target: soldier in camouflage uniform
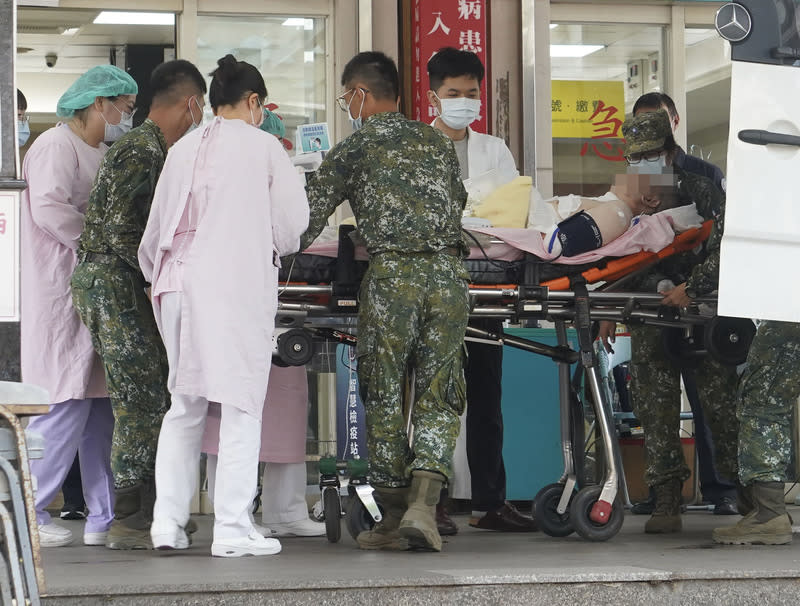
(655, 380)
(403, 182)
(767, 397)
(108, 290)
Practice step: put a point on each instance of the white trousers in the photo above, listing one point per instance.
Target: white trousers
(283, 491)
(179, 445)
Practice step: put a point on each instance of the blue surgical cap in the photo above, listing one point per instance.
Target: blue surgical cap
(273, 124)
(100, 81)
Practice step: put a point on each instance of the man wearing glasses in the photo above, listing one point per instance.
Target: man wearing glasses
(651, 149)
(403, 182)
(108, 290)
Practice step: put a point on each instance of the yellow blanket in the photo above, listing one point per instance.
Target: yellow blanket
(507, 206)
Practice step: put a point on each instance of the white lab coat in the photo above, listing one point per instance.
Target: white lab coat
(256, 206)
(56, 348)
(487, 152)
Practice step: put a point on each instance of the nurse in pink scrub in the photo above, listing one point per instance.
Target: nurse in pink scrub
(56, 348)
(284, 511)
(227, 206)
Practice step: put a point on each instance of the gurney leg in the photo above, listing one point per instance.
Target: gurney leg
(551, 504)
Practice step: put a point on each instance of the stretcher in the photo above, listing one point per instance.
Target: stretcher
(318, 296)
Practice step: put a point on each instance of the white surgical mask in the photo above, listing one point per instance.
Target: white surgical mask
(459, 112)
(357, 122)
(260, 115)
(191, 114)
(115, 131)
(23, 132)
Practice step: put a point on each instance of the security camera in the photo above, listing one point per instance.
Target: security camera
(50, 59)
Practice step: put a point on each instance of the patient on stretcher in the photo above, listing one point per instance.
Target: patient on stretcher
(572, 225)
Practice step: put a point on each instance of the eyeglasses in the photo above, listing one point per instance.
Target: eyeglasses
(344, 102)
(651, 156)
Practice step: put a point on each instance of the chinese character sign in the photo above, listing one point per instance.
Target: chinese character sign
(591, 110)
(351, 437)
(462, 24)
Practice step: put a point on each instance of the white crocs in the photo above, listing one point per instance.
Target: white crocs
(253, 544)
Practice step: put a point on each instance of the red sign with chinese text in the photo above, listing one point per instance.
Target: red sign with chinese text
(462, 24)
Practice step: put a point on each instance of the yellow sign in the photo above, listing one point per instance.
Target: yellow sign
(588, 109)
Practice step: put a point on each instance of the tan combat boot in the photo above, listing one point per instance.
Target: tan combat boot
(767, 524)
(666, 517)
(744, 499)
(384, 534)
(133, 515)
(419, 522)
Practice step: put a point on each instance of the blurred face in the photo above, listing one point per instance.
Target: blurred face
(649, 193)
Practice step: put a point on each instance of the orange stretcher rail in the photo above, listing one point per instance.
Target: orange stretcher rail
(617, 268)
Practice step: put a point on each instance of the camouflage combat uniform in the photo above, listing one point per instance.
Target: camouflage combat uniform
(403, 183)
(108, 290)
(656, 382)
(767, 396)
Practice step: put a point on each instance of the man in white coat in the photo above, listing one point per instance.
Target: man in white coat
(455, 91)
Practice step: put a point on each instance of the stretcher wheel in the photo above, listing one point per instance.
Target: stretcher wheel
(580, 515)
(332, 510)
(295, 347)
(357, 518)
(547, 518)
(728, 339)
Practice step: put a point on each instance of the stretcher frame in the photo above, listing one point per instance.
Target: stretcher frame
(595, 512)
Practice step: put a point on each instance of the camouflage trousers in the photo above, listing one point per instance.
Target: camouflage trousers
(767, 397)
(656, 392)
(412, 319)
(112, 303)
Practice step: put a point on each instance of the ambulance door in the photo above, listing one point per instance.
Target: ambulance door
(760, 265)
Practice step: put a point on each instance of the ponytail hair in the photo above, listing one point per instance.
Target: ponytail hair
(233, 80)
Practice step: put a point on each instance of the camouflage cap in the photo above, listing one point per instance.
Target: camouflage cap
(646, 132)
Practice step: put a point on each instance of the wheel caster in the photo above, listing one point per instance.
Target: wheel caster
(547, 518)
(580, 514)
(357, 518)
(332, 511)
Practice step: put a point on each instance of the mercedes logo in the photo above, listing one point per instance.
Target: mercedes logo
(733, 22)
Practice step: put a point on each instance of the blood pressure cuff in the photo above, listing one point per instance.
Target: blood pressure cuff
(579, 234)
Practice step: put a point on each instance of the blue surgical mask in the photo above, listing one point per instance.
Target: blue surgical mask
(643, 167)
(115, 131)
(23, 132)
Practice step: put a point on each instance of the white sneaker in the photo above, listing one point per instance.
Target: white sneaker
(51, 535)
(166, 534)
(300, 528)
(95, 538)
(253, 544)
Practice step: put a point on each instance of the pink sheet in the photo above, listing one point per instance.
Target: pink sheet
(650, 233)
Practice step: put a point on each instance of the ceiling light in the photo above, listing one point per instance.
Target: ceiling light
(553, 25)
(123, 18)
(574, 50)
(308, 56)
(70, 31)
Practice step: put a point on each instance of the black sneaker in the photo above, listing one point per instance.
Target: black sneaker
(71, 512)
